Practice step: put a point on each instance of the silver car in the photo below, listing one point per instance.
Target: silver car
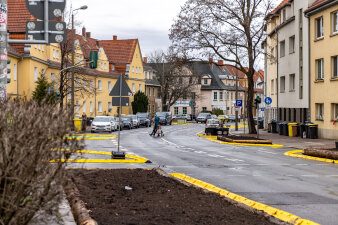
(135, 121)
(102, 124)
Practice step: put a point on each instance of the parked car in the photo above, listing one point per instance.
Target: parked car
(118, 122)
(102, 123)
(223, 118)
(182, 116)
(127, 122)
(203, 117)
(135, 121)
(145, 119)
(213, 116)
(114, 123)
(189, 117)
(165, 117)
(213, 123)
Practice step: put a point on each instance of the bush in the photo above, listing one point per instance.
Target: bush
(31, 134)
(217, 112)
(140, 103)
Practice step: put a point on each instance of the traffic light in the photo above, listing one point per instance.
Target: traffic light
(93, 57)
(258, 100)
(8, 70)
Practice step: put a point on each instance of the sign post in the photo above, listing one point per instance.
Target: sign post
(3, 49)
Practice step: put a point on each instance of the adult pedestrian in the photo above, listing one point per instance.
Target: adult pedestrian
(84, 122)
(156, 124)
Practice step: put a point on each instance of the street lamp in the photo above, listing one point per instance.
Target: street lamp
(73, 57)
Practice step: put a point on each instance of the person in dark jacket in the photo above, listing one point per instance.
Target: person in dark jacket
(156, 124)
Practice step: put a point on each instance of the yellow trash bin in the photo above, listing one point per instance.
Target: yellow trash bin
(291, 133)
(78, 125)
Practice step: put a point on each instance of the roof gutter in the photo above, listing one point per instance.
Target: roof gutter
(320, 7)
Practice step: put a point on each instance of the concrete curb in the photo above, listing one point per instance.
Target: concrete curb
(279, 214)
(296, 154)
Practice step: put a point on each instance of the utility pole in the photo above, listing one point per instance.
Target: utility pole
(3, 49)
(73, 69)
(236, 94)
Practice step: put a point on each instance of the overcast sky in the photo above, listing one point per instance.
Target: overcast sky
(147, 20)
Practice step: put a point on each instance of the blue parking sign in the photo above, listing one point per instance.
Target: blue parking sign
(239, 103)
(268, 100)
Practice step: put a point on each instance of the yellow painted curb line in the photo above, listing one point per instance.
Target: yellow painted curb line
(279, 214)
(93, 137)
(214, 139)
(296, 154)
(133, 158)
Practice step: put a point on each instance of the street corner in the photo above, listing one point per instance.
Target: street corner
(299, 154)
(277, 213)
(129, 158)
(91, 137)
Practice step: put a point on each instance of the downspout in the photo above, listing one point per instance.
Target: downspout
(17, 77)
(277, 83)
(309, 67)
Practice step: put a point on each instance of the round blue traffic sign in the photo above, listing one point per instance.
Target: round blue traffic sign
(268, 100)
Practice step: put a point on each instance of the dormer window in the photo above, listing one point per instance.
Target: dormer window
(205, 81)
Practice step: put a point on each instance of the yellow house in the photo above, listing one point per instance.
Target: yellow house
(323, 16)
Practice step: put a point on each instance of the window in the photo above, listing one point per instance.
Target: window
(185, 110)
(91, 107)
(319, 28)
(320, 69)
(335, 66)
(320, 111)
(140, 87)
(57, 54)
(52, 77)
(282, 48)
(335, 22)
(35, 74)
(292, 44)
(292, 82)
(101, 66)
(105, 66)
(43, 47)
(190, 80)
(149, 92)
(205, 81)
(39, 47)
(133, 87)
(100, 106)
(113, 67)
(204, 108)
(215, 96)
(282, 84)
(221, 96)
(335, 111)
(109, 86)
(100, 85)
(110, 106)
(136, 55)
(84, 107)
(133, 69)
(283, 16)
(53, 53)
(78, 59)
(15, 72)
(231, 96)
(91, 84)
(176, 110)
(77, 107)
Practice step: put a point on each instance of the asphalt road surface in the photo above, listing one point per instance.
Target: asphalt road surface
(306, 188)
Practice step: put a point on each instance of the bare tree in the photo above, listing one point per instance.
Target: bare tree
(229, 29)
(31, 135)
(175, 78)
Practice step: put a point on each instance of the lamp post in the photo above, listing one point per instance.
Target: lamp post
(73, 58)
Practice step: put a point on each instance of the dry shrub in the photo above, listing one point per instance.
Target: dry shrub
(28, 181)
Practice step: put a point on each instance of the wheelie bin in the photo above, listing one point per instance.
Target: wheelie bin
(286, 129)
(313, 131)
(302, 130)
(292, 131)
(274, 127)
(281, 128)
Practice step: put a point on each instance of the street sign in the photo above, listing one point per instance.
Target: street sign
(268, 100)
(55, 8)
(262, 109)
(35, 31)
(116, 101)
(239, 103)
(125, 89)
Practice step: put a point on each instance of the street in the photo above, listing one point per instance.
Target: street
(302, 187)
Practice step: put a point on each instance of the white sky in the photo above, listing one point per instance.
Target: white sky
(147, 20)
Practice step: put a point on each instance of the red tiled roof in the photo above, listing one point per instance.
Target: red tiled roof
(120, 51)
(317, 4)
(18, 14)
(87, 45)
(281, 5)
(234, 71)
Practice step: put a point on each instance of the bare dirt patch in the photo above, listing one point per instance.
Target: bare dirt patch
(243, 139)
(328, 153)
(122, 196)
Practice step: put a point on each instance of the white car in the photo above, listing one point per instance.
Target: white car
(135, 121)
(114, 124)
(102, 123)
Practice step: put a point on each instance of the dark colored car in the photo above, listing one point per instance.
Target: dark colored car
(203, 117)
(165, 117)
(145, 119)
(127, 122)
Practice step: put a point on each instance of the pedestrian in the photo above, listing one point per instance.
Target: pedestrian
(156, 124)
(84, 122)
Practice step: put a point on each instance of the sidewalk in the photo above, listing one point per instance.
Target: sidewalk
(290, 142)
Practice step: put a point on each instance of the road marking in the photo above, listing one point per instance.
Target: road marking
(200, 152)
(332, 175)
(309, 175)
(300, 164)
(234, 160)
(216, 156)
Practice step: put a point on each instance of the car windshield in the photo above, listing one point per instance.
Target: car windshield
(161, 114)
(132, 116)
(202, 115)
(101, 119)
(125, 119)
(142, 115)
(213, 122)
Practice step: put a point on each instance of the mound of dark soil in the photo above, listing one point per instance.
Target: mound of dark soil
(122, 196)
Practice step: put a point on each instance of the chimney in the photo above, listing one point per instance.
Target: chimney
(220, 62)
(145, 59)
(88, 34)
(114, 38)
(83, 31)
(211, 60)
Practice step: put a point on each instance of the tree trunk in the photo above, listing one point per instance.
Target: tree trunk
(251, 122)
(61, 89)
